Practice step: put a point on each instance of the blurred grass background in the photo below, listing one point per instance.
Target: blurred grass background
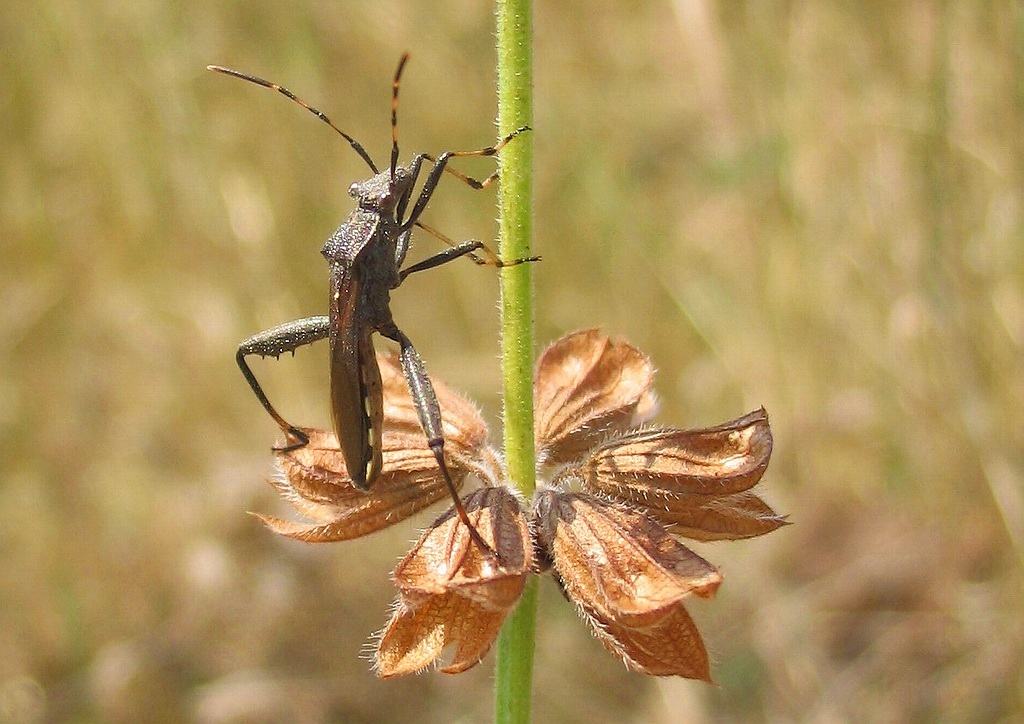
(816, 207)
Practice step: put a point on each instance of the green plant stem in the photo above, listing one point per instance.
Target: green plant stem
(514, 667)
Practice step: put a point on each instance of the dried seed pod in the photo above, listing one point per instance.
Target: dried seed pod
(693, 480)
(452, 593)
(588, 386)
(617, 564)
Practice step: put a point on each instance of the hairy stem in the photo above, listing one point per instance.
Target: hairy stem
(514, 668)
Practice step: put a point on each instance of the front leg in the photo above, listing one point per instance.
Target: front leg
(440, 165)
(273, 343)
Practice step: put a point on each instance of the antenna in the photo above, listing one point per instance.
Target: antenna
(323, 116)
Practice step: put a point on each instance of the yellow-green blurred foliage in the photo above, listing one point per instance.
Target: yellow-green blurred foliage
(816, 207)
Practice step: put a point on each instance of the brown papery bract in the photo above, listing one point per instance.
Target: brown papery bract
(720, 460)
(586, 387)
(696, 481)
(416, 639)
(615, 562)
(446, 559)
(315, 481)
(669, 645)
(452, 593)
(629, 577)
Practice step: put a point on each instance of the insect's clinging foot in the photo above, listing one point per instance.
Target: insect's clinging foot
(300, 439)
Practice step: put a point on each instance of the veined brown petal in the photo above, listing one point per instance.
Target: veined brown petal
(695, 481)
(588, 386)
(616, 563)
(715, 461)
(453, 593)
(416, 638)
(317, 471)
(395, 496)
(446, 559)
(670, 645)
(314, 480)
(729, 517)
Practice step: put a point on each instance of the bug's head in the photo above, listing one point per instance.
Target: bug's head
(381, 193)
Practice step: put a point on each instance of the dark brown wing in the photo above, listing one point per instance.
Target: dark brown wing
(356, 398)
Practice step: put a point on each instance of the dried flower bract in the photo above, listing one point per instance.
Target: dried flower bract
(617, 562)
(629, 577)
(696, 481)
(606, 522)
(612, 545)
(313, 478)
(451, 593)
(669, 646)
(587, 386)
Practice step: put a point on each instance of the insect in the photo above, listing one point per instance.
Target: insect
(365, 255)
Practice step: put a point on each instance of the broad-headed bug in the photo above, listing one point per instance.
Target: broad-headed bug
(365, 255)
